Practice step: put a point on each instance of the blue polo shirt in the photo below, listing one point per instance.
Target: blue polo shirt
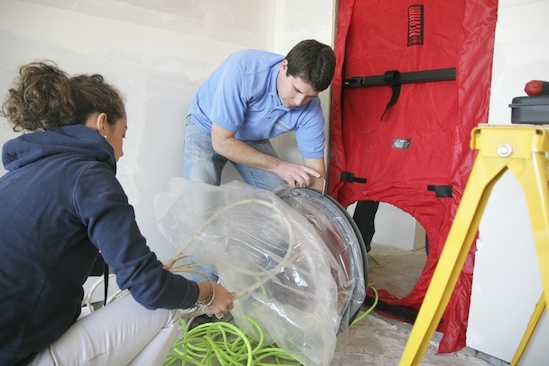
(241, 96)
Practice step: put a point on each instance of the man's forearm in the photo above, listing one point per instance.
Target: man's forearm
(241, 153)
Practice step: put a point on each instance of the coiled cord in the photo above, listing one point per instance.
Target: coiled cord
(227, 345)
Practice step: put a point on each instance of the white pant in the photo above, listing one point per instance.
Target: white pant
(121, 333)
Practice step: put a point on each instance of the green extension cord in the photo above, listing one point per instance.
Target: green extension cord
(228, 345)
(369, 310)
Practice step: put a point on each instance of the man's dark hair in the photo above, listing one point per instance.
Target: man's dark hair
(313, 62)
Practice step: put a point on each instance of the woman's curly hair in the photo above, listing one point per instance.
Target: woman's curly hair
(45, 97)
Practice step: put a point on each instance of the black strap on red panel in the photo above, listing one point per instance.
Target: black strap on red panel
(441, 191)
(350, 178)
(395, 79)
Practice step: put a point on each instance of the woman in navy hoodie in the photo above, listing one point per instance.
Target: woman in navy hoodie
(60, 204)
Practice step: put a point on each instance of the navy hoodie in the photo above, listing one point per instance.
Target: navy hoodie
(60, 204)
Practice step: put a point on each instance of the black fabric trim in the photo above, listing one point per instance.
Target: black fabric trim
(401, 78)
(400, 312)
(406, 314)
(441, 191)
(350, 178)
(395, 79)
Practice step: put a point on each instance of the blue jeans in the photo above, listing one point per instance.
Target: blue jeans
(203, 164)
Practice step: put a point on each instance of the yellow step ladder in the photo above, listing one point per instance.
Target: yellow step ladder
(524, 150)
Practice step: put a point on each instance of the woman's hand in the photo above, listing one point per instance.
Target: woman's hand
(215, 299)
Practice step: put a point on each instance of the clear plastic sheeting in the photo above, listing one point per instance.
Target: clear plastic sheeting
(340, 234)
(287, 278)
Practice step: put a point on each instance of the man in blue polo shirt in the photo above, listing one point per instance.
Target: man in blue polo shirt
(255, 96)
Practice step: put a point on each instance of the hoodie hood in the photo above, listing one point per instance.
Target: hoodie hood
(72, 140)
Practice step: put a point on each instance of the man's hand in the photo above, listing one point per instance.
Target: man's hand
(296, 175)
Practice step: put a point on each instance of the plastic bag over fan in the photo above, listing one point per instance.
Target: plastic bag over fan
(299, 289)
